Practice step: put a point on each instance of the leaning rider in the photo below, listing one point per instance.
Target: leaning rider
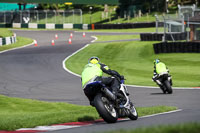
(159, 67)
(93, 71)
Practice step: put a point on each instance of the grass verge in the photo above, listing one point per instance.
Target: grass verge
(178, 128)
(18, 113)
(4, 32)
(134, 60)
(21, 41)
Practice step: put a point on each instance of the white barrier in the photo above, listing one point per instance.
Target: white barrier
(8, 40)
(85, 26)
(68, 26)
(33, 25)
(1, 43)
(50, 26)
(16, 25)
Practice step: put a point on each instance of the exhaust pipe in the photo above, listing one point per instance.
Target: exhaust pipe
(109, 93)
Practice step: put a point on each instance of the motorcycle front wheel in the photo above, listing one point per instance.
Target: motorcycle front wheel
(132, 112)
(105, 108)
(168, 87)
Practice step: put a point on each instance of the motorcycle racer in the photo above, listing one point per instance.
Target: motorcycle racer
(159, 67)
(93, 71)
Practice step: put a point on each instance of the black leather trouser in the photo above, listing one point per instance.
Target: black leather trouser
(110, 82)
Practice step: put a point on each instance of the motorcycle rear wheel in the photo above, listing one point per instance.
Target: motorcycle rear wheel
(105, 108)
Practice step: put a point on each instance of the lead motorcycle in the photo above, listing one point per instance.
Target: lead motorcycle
(110, 107)
(164, 81)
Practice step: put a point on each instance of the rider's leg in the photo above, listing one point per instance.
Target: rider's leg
(112, 82)
(90, 95)
(158, 82)
(115, 86)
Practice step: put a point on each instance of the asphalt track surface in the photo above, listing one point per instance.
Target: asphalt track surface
(37, 73)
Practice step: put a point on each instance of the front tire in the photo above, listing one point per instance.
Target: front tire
(105, 108)
(168, 87)
(133, 112)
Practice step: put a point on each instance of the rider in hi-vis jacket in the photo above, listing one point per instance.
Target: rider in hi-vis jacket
(93, 71)
(159, 67)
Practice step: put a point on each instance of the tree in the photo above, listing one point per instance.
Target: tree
(145, 5)
(53, 6)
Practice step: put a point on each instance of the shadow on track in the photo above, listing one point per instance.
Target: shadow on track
(160, 93)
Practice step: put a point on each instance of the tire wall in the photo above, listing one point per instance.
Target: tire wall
(177, 47)
(124, 25)
(159, 36)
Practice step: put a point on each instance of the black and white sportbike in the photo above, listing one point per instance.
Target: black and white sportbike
(111, 107)
(164, 81)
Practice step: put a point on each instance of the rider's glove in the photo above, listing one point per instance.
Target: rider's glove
(122, 77)
(154, 78)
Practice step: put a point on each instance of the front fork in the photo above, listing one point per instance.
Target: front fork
(160, 83)
(170, 80)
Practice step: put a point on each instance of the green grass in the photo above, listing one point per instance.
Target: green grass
(21, 41)
(97, 18)
(122, 37)
(178, 128)
(18, 113)
(143, 111)
(4, 32)
(134, 60)
(144, 18)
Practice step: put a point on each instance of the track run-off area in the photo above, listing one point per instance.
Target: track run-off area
(36, 72)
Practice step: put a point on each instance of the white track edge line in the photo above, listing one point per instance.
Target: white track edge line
(95, 38)
(49, 128)
(174, 111)
(147, 116)
(181, 88)
(63, 63)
